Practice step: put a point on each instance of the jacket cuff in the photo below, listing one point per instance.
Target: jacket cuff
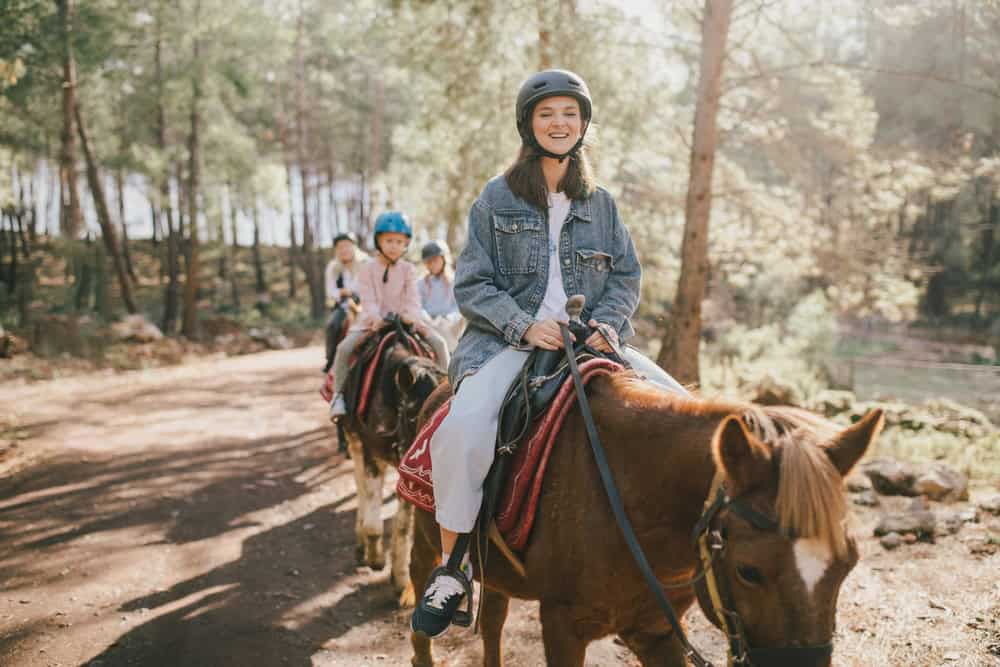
(615, 320)
(513, 333)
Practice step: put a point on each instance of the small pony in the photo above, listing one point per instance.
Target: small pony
(394, 374)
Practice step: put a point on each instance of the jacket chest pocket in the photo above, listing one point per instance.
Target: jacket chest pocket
(592, 270)
(519, 242)
(594, 260)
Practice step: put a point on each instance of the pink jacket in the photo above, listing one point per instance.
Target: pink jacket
(398, 295)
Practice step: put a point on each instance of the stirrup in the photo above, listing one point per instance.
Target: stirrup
(460, 617)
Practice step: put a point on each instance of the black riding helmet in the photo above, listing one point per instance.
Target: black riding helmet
(433, 249)
(345, 236)
(551, 83)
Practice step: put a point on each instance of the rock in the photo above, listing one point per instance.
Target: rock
(274, 340)
(991, 504)
(948, 523)
(969, 515)
(135, 328)
(858, 483)
(942, 483)
(890, 477)
(865, 499)
(891, 541)
(921, 524)
(958, 419)
(937, 481)
(982, 546)
(830, 402)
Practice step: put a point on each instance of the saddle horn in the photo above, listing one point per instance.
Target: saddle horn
(574, 307)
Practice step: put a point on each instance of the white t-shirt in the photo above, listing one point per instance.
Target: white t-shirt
(554, 303)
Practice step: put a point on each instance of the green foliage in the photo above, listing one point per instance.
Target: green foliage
(858, 154)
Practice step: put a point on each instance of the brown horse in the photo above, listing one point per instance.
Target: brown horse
(375, 443)
(664, 451)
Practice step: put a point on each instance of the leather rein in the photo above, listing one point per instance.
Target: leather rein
(711, 544)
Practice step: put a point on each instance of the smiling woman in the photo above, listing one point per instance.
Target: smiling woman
(539, 232)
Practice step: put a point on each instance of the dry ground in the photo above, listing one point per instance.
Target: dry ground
(197, 515)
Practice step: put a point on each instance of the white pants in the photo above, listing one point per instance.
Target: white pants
(462, 448)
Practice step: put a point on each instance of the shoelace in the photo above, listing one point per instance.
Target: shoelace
(443, 589)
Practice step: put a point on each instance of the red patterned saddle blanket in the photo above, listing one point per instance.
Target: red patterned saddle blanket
(373, 360)
(519, 499)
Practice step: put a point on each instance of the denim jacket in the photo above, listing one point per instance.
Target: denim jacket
(502, 272)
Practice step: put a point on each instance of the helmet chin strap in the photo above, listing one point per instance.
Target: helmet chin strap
(391, 262)
(571, 153)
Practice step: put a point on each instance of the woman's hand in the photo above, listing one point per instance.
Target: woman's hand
(604, 338)
(546, 335)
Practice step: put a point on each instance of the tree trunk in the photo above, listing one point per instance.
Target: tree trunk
(989, 239)
(314, 277)
(258, 263)
(544, 35)
(71, 218)
(679, 351)
(155, 218)
(189, 319)
(293, 246)
(378, 115)
(171, 295)
(9, 241)
(233, 251)
(25, 270)
(104, 216)
(126, 253)
(331, 176)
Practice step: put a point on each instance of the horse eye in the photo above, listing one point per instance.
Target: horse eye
(750, 575)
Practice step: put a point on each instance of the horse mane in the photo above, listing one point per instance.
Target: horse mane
(425, 375)
(811, 502)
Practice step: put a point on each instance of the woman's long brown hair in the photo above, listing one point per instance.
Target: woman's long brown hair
(526, 180)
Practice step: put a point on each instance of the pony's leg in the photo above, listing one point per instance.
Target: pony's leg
(655, 649)
(360, 485)
(402, 543)
(491, 621)
(424, 557)
(368, 525)
(563, 646)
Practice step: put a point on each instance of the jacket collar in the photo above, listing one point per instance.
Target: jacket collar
(580, 208)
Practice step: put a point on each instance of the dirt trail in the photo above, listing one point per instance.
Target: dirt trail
(197, 515)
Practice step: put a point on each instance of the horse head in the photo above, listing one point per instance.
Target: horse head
(773, 541)
(405, 382)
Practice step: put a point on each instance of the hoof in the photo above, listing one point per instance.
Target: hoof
(407, 597)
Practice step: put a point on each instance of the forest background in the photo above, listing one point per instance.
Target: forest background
(191, 161)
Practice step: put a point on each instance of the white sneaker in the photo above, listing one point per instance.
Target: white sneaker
(337, 407)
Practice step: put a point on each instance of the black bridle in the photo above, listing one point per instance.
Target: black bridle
(711, 547)
(404, 430)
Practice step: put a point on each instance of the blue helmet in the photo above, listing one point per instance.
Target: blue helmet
(392, 221)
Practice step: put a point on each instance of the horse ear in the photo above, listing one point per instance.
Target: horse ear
(850, 445)
(742, 457)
